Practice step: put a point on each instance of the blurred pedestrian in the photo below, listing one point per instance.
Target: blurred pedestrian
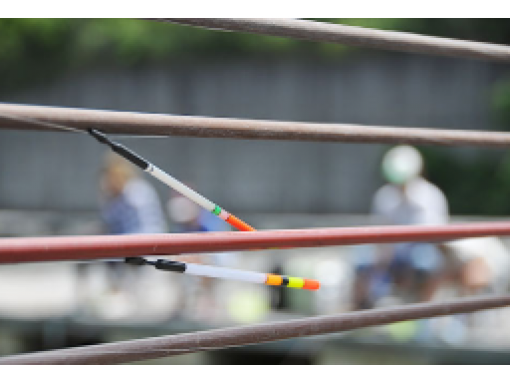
(407, 272)
(128, 205)
(479, 265)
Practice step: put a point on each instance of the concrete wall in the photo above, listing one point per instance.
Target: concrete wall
(59, 171)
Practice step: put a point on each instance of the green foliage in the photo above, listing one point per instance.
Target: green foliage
(477, 185)
(501, 101)
(33, 50)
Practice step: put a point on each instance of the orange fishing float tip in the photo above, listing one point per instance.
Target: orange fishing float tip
(311, 284)
(292, 282)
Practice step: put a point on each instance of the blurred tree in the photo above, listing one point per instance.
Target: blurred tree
(501, 101)
(31, 50)
(480, 184)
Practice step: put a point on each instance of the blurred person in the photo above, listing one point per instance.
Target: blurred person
(406, 272)
(408, 198)
(128, 205)
(479, 265)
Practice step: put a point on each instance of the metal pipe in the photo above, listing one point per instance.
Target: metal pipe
(37, 249)
(158, 347)
(195, 126)
(353, 36)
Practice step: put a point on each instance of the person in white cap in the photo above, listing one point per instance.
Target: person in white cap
(408, 198)
(409, 271)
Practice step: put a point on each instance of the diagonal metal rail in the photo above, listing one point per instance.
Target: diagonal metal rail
(196, 126)
(159, 347)
(353, 36)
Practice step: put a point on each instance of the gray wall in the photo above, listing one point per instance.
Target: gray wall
(59, 171)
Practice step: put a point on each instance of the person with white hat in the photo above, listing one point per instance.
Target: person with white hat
(408, 198)
(409, 271)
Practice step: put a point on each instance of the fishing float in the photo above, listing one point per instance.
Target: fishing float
(227, 273)
(170, 181)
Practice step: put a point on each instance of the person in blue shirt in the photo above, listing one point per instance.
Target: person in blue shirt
(128, 205)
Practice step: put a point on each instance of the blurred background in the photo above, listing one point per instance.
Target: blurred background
(54, 183)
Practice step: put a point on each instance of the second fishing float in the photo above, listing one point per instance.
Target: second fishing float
(227, 273)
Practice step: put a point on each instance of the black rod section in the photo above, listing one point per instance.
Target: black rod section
(120, 149)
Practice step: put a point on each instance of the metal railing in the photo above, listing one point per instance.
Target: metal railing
(79, 248)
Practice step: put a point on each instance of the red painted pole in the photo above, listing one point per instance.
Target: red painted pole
(17, 250)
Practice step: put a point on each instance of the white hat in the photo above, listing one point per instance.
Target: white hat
(402, 164)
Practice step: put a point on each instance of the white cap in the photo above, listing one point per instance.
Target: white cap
(402, 164)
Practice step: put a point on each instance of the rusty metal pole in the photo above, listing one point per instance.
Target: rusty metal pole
(159, 347)
(196, 126)
(353, 36)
